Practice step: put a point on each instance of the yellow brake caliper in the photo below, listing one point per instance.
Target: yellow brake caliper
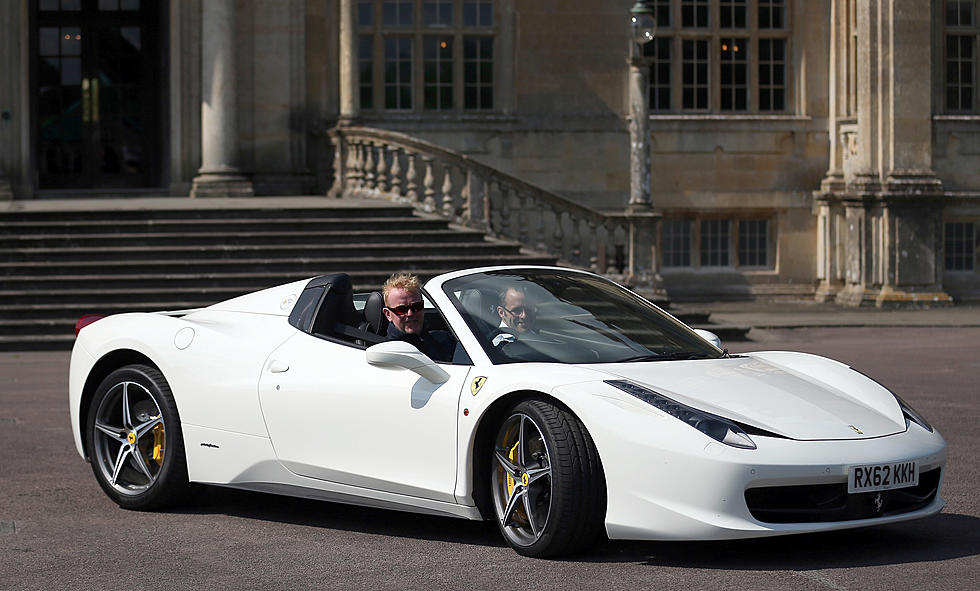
(158, 441)
(510, 479)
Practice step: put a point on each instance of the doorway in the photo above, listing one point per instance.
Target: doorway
(97, 68)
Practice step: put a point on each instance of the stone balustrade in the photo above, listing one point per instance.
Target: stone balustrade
(383, 164)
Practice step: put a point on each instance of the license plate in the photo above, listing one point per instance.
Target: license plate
(882, 476)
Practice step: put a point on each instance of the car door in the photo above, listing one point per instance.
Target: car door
(334, 417)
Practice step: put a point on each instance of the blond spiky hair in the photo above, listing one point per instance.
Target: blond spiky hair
(406, 281)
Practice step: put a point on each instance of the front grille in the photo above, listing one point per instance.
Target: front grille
(816, 503)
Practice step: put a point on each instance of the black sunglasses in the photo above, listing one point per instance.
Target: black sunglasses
(520, 310)
(404, 308)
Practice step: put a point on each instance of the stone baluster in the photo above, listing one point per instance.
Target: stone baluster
(448, 200)
(505, 195)
(466, 199)
(594, 250)
(539, 229)
(382, 170)
(369, 179)
(606, 261)
(354, 184)
(489, 210)
(522, 217)
(576, 239)
(396, 173)
(620, 247)
(558, 236)
(339, 166)
(428, 182)
(411, 176)
(487, 206)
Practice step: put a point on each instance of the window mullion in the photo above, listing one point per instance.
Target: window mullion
(752, 88)
(458, 68)
(418, 70)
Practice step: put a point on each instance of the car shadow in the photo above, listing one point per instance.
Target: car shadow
(942, 537)
(216, 500)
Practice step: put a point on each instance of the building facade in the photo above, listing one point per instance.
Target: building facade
(808, 148)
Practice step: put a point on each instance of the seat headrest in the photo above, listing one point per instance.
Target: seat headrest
(336, 305)
(374, 315)
(480, 305)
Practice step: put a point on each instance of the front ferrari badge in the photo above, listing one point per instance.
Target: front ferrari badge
(477, 384)
(856, 430)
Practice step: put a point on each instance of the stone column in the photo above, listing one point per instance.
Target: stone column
(220, 174)
(348, 64)
(841, 123)
(6, 193)
(639, 126)
(643, 264)
(13, 155)
(880, 205)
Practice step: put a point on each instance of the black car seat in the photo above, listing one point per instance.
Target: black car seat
(336, 308)
(482, 310)
(374, 319)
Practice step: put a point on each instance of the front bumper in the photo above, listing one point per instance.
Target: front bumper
(667, 481)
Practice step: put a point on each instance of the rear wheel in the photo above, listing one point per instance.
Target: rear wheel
(134, 440)
(546, 481)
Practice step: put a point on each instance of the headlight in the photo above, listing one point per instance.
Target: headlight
(911, 415)
(715, 427)
(908, 411)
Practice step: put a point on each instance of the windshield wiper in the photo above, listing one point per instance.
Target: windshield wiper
(674, 356)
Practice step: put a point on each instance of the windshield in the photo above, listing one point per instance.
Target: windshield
(554, 315)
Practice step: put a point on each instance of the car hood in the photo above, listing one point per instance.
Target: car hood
(794, 395)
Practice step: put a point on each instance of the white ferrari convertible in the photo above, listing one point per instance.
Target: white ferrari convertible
(565, 408)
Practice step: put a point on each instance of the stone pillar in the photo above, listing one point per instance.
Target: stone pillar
(6, 193)
(639, 126)
(643, 264)
(13, 94)
(348, 64)
(880, 206)
(220, 174)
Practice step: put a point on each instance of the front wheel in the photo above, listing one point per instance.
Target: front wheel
(547, 482)
(134, 440)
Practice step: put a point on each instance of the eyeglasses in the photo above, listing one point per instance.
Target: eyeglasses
(405, 308)
(521, 310)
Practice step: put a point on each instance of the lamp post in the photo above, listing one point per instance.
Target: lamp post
(643, 272)
(643, 27)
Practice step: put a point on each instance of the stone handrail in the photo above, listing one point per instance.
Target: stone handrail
(383, 164)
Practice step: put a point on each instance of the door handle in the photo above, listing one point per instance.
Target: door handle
(277, 366)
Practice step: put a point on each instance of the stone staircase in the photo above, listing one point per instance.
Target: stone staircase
(61, 260)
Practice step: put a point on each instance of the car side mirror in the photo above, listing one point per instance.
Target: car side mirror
(406, 356)
(709, 336)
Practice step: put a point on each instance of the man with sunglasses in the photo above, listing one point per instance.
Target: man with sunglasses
(405, 312)
(517, 315)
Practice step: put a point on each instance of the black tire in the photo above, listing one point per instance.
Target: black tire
(135, 442)
(549, 493)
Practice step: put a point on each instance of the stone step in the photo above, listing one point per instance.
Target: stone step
(37, 326)
(148, 255)
(22, 258)
(312, 265)
(183, 226)
(37, 342)
(207, 212)
(231, 237)
(142, 277)
(29, 286)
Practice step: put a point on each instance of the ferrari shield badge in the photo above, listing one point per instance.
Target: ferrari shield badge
(477, 384)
